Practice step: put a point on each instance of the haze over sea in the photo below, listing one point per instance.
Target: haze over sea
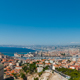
(11, 50)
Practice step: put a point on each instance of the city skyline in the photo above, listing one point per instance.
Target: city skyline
(39, 22)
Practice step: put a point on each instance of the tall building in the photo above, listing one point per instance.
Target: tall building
(1, 71)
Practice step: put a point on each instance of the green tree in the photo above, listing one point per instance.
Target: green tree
(74, 74)
(15, 75)
(36, 79)
(22, 75)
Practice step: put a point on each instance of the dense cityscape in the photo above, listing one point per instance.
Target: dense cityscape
(46, 63)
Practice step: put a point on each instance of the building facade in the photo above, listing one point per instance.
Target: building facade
(1, 72)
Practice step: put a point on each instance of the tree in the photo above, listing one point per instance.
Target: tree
(15, 75)
(25, 68)
(22, 75)
(74, 74)
(68, 61)
(36, 78)
(27, 71)
(40, 73)
(45, 68)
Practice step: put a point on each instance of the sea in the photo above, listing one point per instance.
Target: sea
(11, 50)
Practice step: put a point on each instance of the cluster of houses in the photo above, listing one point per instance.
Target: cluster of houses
(14, 65)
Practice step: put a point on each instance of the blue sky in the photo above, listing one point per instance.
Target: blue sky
(39, 22)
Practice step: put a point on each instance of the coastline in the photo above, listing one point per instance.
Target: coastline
(9, 51)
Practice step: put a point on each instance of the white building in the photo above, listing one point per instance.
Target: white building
(72, 67)
(17, 64)
(10, 64)
(39, 69)
(18, 67)
(53, 67)
(51, 61)
(24, 61)
(1, 56)
(74, 59)
(46, 61)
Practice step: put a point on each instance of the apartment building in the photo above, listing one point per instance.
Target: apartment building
(1, 72)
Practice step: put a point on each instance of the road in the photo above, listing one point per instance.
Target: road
(63, 75)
